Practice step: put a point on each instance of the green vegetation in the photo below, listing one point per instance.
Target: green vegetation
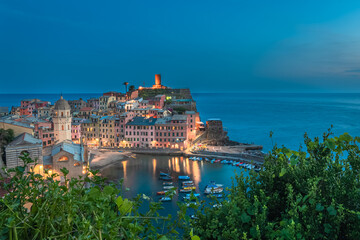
(6, 136)
(72, 211)
(299, 195)
(180, 110)
(312, 194)
(150, 93)
(131, 88)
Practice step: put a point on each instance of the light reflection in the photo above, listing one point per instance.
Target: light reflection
(154, 166)
(177, 166)
(187, 167)
(196, 173)
(124, 163)
(169, 163)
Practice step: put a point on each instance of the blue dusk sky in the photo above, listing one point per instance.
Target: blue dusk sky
(210, 46)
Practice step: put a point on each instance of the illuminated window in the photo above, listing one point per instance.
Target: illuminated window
(63, 158)
(76, 164)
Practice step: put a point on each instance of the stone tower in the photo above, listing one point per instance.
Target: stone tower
(62, 120)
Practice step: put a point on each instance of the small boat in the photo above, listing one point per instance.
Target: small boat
(193, 217)
(217, 160)
(184, 178)
(195, 195)
(168, 187)
(165, 199)
(206, 159)
(168, 183)
(218, 195)
(191, 188)
(164, 174)
(160, 193)
(185, 190)
(186, 182)
(213, 188)
(165, 178)
(188, 185)
(191, 203)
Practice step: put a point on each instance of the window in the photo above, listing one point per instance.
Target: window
(62, 127)
(63, 159)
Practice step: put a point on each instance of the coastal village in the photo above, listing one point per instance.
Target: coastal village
(149, 120)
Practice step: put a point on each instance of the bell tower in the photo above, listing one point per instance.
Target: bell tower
(62, 120)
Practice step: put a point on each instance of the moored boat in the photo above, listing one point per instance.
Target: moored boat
(213, 188)
(164, 174)
(191, 188)
(168, 187)
(161, 193)
(165, 178)
(165, 199)
(184, 178)
(168, 183)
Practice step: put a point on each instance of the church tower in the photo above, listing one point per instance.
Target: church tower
(62, 120)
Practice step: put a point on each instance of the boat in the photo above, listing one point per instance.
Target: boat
(185, 190)
(188, 185)
(168, 187)
(191, 188)
(192, 203)
(217, 160)
(213, 188)
(165, 178)
(168, 183)
(160, 193)
(164, 174)
(186, 182)
(184, 177)
(194, 217)
(195, 194)
(165, 199)
(217, 206)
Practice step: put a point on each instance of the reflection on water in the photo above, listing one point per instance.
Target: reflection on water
(141, 175)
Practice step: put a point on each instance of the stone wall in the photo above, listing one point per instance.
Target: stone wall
(17, 129)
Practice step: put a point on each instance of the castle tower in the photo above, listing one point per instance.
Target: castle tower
(158, 82)
(62, 120)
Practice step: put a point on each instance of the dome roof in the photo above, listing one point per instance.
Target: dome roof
(62, 104)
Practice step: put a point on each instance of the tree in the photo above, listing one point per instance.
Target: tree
(311, 194)
(125, 84)
(131, 88)
(6, 136)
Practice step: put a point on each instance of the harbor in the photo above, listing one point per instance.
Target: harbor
(141, 175)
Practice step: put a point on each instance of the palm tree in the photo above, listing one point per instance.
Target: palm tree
(126, 84)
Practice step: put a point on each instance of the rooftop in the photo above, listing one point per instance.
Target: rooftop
(142, 121)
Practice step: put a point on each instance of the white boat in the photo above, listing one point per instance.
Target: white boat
(213, 188)
(165, 199)
(168, 187)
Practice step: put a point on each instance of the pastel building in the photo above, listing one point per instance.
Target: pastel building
(140, 132)
(171, 132)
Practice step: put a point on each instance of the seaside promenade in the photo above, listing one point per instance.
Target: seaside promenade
(245, 156)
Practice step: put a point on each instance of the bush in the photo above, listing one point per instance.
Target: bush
(298, 195)
(74, 211)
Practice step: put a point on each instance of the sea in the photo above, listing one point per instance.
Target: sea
(250, 117)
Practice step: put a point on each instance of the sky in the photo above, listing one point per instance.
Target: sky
(208, 46)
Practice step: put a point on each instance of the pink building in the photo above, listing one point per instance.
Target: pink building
(76, 132)
(171, 132)
(192, 119)
(140, 132)
(28, 106)
(120, 125)
(158, 101)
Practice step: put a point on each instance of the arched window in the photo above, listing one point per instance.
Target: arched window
(62, 127)
(62, 114)
(63, 158)
(68, 127)
(76, 164)
(67, 113)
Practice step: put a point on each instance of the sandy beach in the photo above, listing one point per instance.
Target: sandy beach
(103, 158)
